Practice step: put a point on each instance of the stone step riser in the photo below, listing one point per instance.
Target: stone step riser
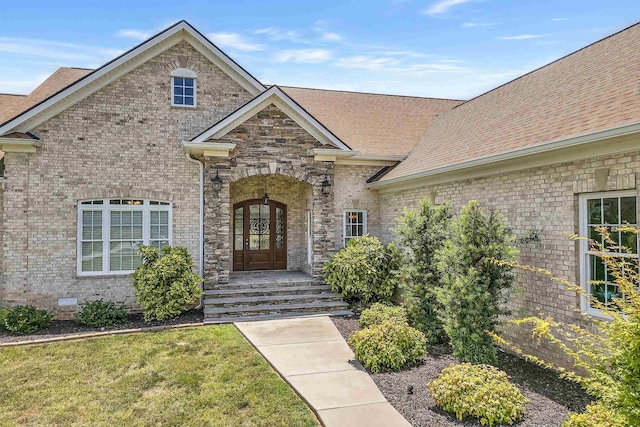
(274, 309)
(235, 318)
(293, 312)
(240, 285)
(269, 300)
(306, 290)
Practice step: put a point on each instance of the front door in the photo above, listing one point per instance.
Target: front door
(259, 236)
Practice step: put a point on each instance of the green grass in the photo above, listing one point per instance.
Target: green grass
(207, 376)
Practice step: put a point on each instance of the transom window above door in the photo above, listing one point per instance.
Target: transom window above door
(183, 88)
(110, 231)
(613, 210)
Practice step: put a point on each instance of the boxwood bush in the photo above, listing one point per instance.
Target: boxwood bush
(365, 271)
(165, 285)
(388, 346)
(379, 313)
(26, 319)
(478, 391)
(100, 313)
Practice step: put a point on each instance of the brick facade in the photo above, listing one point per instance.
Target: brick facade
(543, 199)
(122, 141)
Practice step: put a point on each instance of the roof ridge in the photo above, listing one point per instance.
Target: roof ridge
(370, 93)
(13, 94)
(549, 64)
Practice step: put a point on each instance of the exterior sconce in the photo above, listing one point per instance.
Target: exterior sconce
(217, 182)
(265, 199)
(326, 185)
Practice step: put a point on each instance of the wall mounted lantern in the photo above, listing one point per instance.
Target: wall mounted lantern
(326, 185)
(217, 182)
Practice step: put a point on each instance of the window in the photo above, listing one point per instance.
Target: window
(183, 88)
(611, 209)
(355, 224)
(111, 230)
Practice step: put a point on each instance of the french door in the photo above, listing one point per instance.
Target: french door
(259, 236)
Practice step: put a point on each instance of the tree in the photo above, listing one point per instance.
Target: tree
(475, 288)
(421, 233)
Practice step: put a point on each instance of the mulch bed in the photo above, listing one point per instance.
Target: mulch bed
(550, 396)
(60, 328)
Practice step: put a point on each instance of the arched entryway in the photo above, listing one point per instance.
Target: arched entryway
(259, 235)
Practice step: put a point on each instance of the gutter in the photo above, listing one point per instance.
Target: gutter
(510, 155)
(201, 257)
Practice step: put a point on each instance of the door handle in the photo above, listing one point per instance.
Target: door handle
(246, 244)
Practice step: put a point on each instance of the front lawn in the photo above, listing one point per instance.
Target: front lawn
(205, 376)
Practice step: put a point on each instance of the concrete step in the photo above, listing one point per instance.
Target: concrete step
(278, 290)
(236, 301)
(241, 318)
(264, 309)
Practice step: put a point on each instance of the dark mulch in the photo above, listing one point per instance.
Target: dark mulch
(550, 396)
(69, 327)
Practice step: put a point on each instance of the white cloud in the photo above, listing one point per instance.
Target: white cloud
(62, 53)
(521, 37)
(443, 6)
(559, 19)
(307, 56)
(331, 37)
(477, 24)
(277, 34)
(363, 62)
(134, 34)
(234, 41)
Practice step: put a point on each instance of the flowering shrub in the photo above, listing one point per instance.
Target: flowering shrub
(595, 415)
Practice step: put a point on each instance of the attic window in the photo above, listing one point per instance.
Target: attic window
(183, 88)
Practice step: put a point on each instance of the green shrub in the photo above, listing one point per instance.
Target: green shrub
(26, 319)
(388, 346)
(365, 271)
(421, 233)
(478, 391)
(3, 315)
(595, 415)
(474, 285)
(165, 285)
(379, 313)
(100, 313)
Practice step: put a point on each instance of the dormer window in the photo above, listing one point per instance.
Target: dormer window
(183, 88)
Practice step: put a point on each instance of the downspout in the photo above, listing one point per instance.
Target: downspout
(201, 267)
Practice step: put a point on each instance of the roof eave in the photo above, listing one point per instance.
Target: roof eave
(423, 178)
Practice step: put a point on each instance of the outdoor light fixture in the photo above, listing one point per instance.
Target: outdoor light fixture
(326, 185)
(265, 199)
(217, 182)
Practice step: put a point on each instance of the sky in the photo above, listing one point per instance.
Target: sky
(438, 48)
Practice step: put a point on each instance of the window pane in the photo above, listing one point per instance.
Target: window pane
(238, 242)
(594, 208)
(596, 268)
(188, 82)
(188, 91)
(92, 256)
(629, 240)
(178, 81)
(188, 100)
(594, 235)
(177, 100)
(628, 210)
(610, 209)
(178, 90)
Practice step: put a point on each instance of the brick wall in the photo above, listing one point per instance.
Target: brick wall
(122, 141)
(544, 199)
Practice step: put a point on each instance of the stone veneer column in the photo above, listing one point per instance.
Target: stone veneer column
(217, 217)
(323, 226)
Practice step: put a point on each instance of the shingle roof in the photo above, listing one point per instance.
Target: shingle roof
(372, 123)
(593, 89)
(12, 105)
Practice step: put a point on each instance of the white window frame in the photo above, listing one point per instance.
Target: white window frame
(585, 307)
(344, 223)
(184, 73)
(106, 208)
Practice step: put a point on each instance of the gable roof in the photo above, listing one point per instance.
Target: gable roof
(592, 90)
(281, 100)
(372, 123)
(12, 105)
(119, 66)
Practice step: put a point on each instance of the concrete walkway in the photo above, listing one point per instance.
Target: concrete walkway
(313, 357)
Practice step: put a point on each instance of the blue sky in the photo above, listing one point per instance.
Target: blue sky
(440, 48)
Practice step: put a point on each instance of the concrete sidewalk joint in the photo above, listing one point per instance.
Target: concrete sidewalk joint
(311, 355)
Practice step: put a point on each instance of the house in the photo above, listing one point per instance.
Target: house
(174, 143)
